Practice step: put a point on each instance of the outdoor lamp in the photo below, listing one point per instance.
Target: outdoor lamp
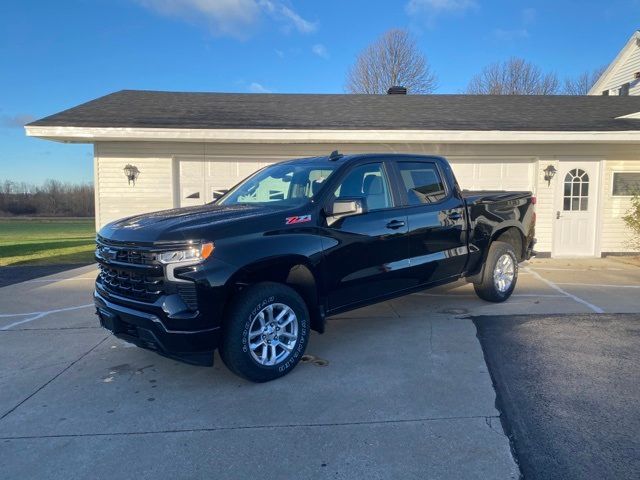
(131, 172)
(549, 173)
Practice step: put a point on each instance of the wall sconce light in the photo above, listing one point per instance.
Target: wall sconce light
(549, 173)
(131, 172)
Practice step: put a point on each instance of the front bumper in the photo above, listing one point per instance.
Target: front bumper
(147, 330)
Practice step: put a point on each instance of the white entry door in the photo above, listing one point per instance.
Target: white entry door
(574, 228)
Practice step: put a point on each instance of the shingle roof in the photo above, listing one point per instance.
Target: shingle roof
(150, 109)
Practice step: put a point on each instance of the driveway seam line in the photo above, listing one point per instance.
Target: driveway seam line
(575, 298)
(39, 389)
(51, 329)
(37, 315)
(253, 427)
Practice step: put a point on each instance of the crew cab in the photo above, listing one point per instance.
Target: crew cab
(251, 273)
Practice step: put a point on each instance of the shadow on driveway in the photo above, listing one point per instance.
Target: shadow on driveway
(568, 388)
(17, 274)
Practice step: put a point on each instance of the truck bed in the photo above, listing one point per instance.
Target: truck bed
(490, 196)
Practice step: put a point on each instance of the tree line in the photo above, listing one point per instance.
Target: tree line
(395, 59)
(53, 199)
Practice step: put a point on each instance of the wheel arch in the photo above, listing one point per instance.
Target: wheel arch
(512, 235)
(295, 271)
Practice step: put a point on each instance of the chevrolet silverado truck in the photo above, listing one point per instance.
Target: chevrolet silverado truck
(253, 272)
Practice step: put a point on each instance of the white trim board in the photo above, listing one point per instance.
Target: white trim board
(96, 134)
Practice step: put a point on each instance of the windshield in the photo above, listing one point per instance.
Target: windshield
(280, 184)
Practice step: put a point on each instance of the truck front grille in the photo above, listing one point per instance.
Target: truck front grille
(135, 273)
(131, 285)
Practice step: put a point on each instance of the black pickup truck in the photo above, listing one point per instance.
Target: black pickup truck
(251, 273)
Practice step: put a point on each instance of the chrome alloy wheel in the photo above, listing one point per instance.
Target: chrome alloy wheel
(273, 334)
(504, 273)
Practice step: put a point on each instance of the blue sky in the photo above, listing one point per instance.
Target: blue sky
(54, 55)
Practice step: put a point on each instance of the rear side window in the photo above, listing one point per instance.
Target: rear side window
(422, 182)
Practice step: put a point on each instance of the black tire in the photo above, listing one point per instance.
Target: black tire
(245, 307)
(487, 289)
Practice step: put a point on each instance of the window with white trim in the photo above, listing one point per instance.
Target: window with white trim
(625, 184)
(576, 190)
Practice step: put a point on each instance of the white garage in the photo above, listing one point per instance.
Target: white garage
(199, 178)
(185, 146)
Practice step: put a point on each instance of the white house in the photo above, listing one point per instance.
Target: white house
(622, 76)
(186, 145)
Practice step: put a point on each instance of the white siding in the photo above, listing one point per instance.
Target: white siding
(152, 191)
(623, 72)
(545, 208)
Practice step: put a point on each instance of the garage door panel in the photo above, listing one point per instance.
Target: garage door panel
(191, 182)
(489, 174)
(223, 169)
(201, 178)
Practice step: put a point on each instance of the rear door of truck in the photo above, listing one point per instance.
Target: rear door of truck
(436, 216)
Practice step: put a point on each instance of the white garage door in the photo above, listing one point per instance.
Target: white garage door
(199, 179)
(492, 174)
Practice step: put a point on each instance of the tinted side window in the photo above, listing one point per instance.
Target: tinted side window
(368, 181)
(422, 182)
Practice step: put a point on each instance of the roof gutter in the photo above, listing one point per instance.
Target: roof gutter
(102, 134)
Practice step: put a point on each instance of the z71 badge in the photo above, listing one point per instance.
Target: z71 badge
(300, 219)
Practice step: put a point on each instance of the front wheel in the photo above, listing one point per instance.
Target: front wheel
(500, 273)
(266, 332)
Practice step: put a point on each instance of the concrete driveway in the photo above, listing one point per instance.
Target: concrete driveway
(405, 392)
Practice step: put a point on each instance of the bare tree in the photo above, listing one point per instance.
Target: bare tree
(581, 84)
(392, 60)
(514, 76)
(53, 198)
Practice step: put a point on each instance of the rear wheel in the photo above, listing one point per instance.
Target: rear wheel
(266, 332)
(500, 273)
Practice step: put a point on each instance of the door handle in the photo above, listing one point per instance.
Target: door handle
(558, 215)
(454, 216)
(395, 224)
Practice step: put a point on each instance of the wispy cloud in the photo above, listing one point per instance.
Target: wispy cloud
(281, 12)
(18, 120)
(225, 17)
(527, 19)
(529, 16)
(320, 50)
(234, 18)
(510, 35)
(433, 7)
(279, 53)
(255, 87)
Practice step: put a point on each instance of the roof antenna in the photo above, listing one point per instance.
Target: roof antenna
(335, 155)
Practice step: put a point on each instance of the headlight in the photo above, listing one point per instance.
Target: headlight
(193, 255)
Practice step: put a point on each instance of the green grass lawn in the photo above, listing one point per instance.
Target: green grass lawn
(47, 241)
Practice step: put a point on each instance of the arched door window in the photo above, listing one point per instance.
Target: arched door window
(576, 190)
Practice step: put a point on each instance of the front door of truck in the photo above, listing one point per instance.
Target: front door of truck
(366, 254)
(436, 222)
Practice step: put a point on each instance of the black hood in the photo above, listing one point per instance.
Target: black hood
(180, 224)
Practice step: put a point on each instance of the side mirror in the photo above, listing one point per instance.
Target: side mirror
(346, 207)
